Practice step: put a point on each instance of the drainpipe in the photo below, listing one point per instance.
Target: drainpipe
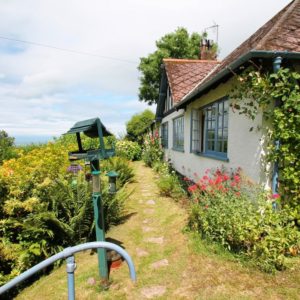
(276, 66)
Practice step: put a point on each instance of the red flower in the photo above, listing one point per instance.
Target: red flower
(225, 177)
(219, 179)
(236, 178)
(192, 188)
(203, 187)
(275, 196)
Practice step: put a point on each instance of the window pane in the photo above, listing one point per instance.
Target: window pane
(216, 132)
(220, 121)
(213, 111)
(213, 124)
(220, 134)
(219, 146)
(226, 120)
(221, 108)
(225, 133)
(225, 106)
(225, 146)
(178, 135)
(210, 134)
(208, 112)
(211, 145)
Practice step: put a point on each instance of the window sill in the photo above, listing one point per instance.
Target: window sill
(178, 150)
(213, 156)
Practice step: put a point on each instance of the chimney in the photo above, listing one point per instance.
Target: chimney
(206, 50)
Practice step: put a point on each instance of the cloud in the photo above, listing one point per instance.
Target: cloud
(44, 91)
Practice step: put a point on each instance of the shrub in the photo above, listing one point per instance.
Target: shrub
(44, 209)
(168, 182)
(114, 206)
(152, 152)
(122, 167)
(129, 150)
(223, 211)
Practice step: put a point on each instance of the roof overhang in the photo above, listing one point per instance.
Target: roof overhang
(228, 71)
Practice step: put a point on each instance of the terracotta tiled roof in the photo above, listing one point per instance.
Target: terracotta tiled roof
(278, 34)
(184, 74)
(281, 33)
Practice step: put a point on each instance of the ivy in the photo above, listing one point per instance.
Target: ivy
(277, 95)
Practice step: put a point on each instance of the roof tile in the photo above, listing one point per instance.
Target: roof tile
(185, 74)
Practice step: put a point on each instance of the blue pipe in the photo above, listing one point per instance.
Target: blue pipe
(66, 254)
(276, 66)
(71, 266)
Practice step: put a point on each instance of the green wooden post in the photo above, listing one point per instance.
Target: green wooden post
(99, 221)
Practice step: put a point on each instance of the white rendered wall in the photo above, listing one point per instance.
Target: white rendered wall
(244, 147)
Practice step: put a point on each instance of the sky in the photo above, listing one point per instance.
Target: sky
(44, 91)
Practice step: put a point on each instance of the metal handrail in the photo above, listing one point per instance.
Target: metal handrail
(71, 266)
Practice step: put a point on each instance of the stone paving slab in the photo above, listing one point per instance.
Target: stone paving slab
(154, 291)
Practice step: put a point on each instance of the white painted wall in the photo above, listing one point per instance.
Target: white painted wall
(245, 148)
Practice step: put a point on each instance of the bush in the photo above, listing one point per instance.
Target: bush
(129, 150)
(168, 183)
(114, 206)
(152, 152)
(122, 167)
(44, 209)
(222, 211)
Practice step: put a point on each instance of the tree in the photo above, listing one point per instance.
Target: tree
(178, 44)
(138, 125)
(6, 146)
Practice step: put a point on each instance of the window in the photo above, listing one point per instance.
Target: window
(164, 135)
(168, 101)
(178, 133)
(210, 129)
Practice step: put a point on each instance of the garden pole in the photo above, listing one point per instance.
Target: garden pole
(99, 221)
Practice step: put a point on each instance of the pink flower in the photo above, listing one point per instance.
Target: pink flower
(236, 178)
(192, 188)
(226, 177)
(203, 187)
(275, 196)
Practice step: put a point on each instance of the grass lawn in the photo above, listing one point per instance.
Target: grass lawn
(169, 263)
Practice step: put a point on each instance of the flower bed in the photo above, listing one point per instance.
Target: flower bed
(229, 209)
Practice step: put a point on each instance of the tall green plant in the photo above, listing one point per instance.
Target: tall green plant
(263, 90)
(152, 152)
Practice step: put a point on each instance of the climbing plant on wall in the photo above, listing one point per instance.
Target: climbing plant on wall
(277, 95)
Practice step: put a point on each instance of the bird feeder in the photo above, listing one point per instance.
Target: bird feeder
(93, 128)
(112, 181)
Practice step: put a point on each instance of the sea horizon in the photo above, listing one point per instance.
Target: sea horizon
(22, 140)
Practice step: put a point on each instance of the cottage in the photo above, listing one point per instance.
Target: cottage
(198, 127)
